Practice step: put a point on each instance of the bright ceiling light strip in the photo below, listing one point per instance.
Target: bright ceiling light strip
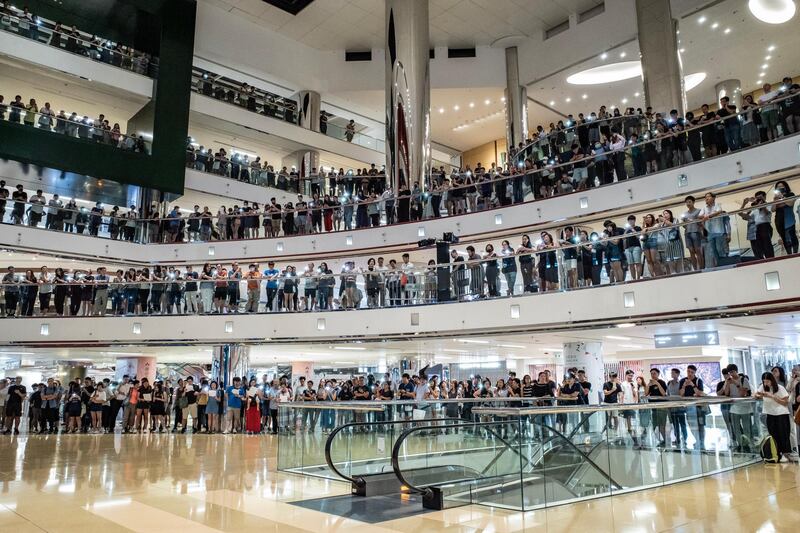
(607, 73)
(473, 341)
(353, 348)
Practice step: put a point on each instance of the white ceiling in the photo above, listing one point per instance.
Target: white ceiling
(359, 24)
(782, 330)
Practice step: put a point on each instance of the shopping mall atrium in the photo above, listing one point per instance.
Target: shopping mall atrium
(392, 265)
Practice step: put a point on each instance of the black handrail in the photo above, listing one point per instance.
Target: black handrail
(411, 488)
(329, 442)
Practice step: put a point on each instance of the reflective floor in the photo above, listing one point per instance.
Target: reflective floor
(153, 483)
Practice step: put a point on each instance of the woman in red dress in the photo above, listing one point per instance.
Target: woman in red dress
(252, 414)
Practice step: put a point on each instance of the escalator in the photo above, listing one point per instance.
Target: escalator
(517, 466)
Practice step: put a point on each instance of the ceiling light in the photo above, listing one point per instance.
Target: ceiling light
(727, 30)
(352, 348)
(634, 346)
(682, 50)
(456, 108)
(701, 20)
(772, 11)
(626, 325)
(472, 341)
(765, 66)
(568, 100)
(487, 101)
(771, 48)
(603, 55)
(441, 110)
(552, 349)
(636, 95)
(344, 362)
(691, 81)
(762, 74)
(744, 339)
(622, 54)
(502, 98)
(584, 96)
(624, 100)
(455, 351)
(767, 58)
(472, 104)
(617, 338)
(759, 82)
(715, 26)
(511, 346)
(607, 73)
(552, 102)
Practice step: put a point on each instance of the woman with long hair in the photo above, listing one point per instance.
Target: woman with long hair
(96, 402)
(548, 266)
(776, 408)
(212, 408)
(158, 409)
(252, 413)
(785, 218)
(525, 253)
(142, 419)
(650, 241)
(674, 253)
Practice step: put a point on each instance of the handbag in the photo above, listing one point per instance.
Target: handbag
(183, 402)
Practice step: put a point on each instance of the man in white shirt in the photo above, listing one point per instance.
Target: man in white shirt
(53, 207)
(769, 112)
(712, 216)
(407, 267)
(120, 399)
(629, 396)
(382, 282)
(738, 386)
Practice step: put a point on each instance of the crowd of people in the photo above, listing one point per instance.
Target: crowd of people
(97, 130)
(252, 406)
(664, 244)
(71, 39)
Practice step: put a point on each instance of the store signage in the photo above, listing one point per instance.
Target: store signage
(680, 340)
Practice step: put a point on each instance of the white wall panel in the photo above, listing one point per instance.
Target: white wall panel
(701, 176)
(676, 296)
(73, 64)
(229, 188)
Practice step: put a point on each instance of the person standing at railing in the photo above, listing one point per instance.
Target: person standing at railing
(769, 112)
(786, 216)
(761, 218)
(692, 386)
(36, 208)
(20, 198)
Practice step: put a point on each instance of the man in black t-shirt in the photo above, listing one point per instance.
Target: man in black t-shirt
(611, 392)
(16, 397)
(544, 390)
(586, 388)
(20, 198)
(692, 387)
(657, 391)
(190, 392)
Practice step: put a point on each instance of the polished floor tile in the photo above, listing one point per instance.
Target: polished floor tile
(155, 483)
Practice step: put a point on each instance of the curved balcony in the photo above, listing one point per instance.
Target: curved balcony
(676, 182)
(768, 286)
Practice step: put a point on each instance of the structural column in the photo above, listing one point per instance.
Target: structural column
(408, 130)
(309, 104)
(587, 356)
(302, 369)
(662, 73)
(516, 102)
(68, 371)
(732, 89)
(135, 367)
(230, 361)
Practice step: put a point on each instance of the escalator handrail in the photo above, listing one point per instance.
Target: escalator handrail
(338, 429)
(418, 490)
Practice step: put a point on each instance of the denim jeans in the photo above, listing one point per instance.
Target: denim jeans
(714, 249)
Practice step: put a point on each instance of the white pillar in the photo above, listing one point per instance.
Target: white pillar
(587, 356)
(138, 367)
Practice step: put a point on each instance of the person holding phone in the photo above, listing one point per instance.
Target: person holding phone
(776, 403)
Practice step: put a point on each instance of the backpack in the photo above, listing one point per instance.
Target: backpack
(769, 450)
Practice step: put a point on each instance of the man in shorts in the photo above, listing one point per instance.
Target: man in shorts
(16, 397)
(693, 234)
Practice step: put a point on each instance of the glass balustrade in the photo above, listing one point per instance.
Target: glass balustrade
(346, 440)
(560, 262)
(269, 104)
(529, 458)
(345, 202)
(29, 114)
(73, 40)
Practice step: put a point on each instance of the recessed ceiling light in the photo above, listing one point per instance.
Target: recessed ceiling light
(473, 341)
(584, 96)
(622, 54)
(690, 81)
(511, 346)
(487, 101)
(568, 99)
(744, 339)
(634, 346)
(502, 98)
(617, 338)
(441, 110)
(552, 102)
(636, 94)
(552, 349)
(626, 325)
(727, 30)
(715, 26)
(762, 74)
(771, 48)
(772, 11)
(352, 348)
(765, 66)
(607, 73)
(702, 20)
(767, 58)
(454, 351)
(456, 108)
(682, 50)
(472, 104)
(759, 82)
(344, 362)
(603, 55)
(624, 100)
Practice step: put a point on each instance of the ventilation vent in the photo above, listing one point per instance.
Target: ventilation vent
(431, 54)
(592, 12)
(455, 53)
(358, 56)
(555, 30)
